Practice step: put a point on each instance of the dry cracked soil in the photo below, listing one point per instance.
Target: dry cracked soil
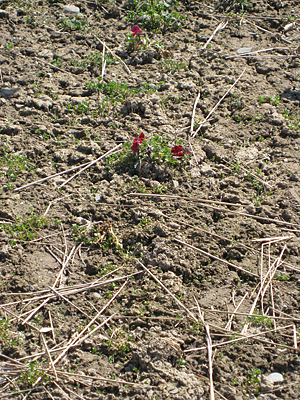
(154, 273)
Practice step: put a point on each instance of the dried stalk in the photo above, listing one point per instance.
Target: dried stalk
(113, 54)
(216, 106)
(209, 352)
(244, 337)
(49, 355)
(194, 112)
(89, 165)
(228, 325)
(220, 27)
(49, 177)
(216, 258)
(52, 66)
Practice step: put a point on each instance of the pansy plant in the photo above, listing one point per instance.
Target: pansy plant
(136, 40)
(157, 150)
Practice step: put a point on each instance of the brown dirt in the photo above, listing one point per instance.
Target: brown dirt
(247, 153)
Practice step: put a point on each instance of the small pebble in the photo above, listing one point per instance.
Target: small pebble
(97, 197)
(276, 377)
(174, 391)
(244, 50)
(71, 9)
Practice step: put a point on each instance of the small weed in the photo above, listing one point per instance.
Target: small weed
(92, 60)
(74, 24)
(155, 15)
(14, 165)
(8, 46)
(24, 227)
(173, 66)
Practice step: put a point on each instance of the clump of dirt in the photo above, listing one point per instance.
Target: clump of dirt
(103, 276)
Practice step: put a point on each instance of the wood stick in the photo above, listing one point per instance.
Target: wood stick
(49, 177)
(295, 337)
(52, 66)
(168, 291)
(209, 310)
(89, 165)
(194, 112)
(228, 325)
(51, 324)
(168, 196)
(209, 352)
(113, 54)
(218, 103)
(261, 290)
(49, 355)
(220, 27)
(243, 337)
(216, 258)
(63, 392)
(90, 323)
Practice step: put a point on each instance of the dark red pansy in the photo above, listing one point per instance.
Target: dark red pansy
(136, 30)
(176, 149)
(135, 147)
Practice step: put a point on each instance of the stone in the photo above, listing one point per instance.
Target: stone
(70, 9)
(42, 103)
(174, 391)
(276, 377)
(268, 396)
(97, 197)
(266, 384)
(4, 14)
(229, 392)
(186, 85)
(244, 50)
(207, 170)
(9, 92)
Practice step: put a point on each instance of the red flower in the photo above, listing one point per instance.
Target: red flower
(135, 147)
(177, 152)
(136, 30)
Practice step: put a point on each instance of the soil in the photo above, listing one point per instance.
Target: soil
(127, 255)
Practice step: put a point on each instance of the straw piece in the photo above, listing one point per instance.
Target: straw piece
(49, 355)
(113, 54)
(216, 258)
(49, 177)
(228, 325)
(168, 291)
(218, 103)
(52, 66)
(89, 165)
(209, 352)
(243, 337)
(220, 27)
(194, 112)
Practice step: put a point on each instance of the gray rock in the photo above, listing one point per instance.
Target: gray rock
(9, 92)
(244, 50)
(70, 9)
(276, 377)
(186, 85)
(4, 14)
(207, 170)
(266, 384)
(268, 396)
(229, 392)
(42, 103)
